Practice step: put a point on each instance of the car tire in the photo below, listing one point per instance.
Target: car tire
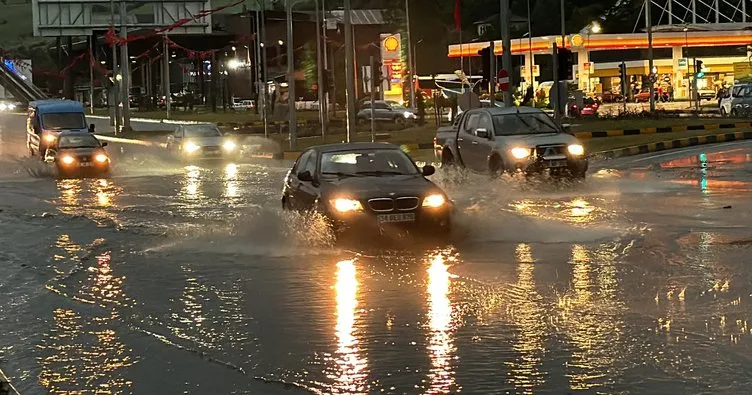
(361, 121)
(447, 158)
(399, 121)
(723, 111)
(734, 113)
(495, 166)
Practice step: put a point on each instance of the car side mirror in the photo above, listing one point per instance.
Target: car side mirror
(567, 129)
(482, 133)
(428, 170)
(91, 128)
(305, 176)
(104, 144)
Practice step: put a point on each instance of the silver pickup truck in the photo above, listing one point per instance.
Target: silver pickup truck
(515, 139)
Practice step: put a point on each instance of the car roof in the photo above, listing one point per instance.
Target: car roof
(344, 147)
(58, 105)
(509, 110)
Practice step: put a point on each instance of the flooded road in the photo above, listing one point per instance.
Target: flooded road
(167, 279)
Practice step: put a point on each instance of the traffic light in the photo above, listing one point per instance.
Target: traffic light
(378, 73)
(566, 63)
(485, 62)
(623, 76)
(699, 69)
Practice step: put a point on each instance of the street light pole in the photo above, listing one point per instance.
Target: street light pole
(649, 23)
(349, 73)
(115, 93)
(292, 121)
(506, 44)
(411, 70)
(125, 68)
(320, 72)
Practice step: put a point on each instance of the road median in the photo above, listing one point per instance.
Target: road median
(585, 135)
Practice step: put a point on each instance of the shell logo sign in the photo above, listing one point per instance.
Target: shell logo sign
(391, 46)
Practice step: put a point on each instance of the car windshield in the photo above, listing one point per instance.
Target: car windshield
(367, 162)
(516, 123)
(202, 131)
(78, 141)
(64, 120)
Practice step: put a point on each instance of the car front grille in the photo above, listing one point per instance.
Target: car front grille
(382, 205)
(406, 203)
(210, 149)
(550, 150)
(84, 158)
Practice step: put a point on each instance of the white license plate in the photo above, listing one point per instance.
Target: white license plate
(391, 218)
(557, 163)
(85, 164)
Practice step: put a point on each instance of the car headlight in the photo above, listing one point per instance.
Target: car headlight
(3, 107)
(190, 147)
(67, 160)
(101, 158)
(434, 201)
(576, 149)
(407, 114)
(11, 106)
(49, 138)
(229, 146)
(520, 153)
(344, 205)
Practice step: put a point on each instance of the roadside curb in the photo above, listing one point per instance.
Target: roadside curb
(672, 144)
(663, 129)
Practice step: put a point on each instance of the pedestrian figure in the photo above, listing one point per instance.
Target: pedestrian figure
(421, 109)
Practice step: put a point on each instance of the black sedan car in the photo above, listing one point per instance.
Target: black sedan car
(367, 186)
(78, 153)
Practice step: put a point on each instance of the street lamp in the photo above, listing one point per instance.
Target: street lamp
(595, 27)
(234, 64)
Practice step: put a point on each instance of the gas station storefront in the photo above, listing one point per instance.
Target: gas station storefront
(599, 77)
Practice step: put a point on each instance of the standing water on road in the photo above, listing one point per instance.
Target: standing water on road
(190, 279)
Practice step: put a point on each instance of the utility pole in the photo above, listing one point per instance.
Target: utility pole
(292, 121)
(410, 56)
(262, 40)
(92, 59)
(326, 67)
(561, 87)
(554, 95)
(506, 45)
(125, 68)
(373, 100)
(649, 23)
(115, 93)
(349, 73)
(166, 74)
(320, 72)
(492, 74)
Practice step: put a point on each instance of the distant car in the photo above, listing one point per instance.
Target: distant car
(385, 112)
(589, 108)
(610, 97)
(201, 141)
(706, 93)
(367, 186)
(642, 97)
(77, 153)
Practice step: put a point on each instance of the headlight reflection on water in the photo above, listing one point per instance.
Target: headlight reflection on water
(352, 376)
(192, 183)
(441, 347)
(231, 180)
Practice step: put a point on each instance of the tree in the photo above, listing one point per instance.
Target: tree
(308, 65)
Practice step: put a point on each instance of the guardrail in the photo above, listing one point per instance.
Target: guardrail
(665, 129)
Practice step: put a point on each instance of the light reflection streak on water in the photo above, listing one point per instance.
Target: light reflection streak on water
(580, 210)
(528, 315)
(95, 202)
(190, 323)
(592, 319)
(352, 365)
(231, 180)
(441, 347)
(192, 183)
(79, 357)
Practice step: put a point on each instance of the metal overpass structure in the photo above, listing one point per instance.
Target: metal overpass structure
(23, 90)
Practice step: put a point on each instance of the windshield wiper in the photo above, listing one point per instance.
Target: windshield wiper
(339, 174)
(380, 172)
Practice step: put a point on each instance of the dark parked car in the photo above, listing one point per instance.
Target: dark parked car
(77, 154)
(367, 186)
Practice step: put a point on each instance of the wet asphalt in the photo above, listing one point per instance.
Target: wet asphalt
(173, 279)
